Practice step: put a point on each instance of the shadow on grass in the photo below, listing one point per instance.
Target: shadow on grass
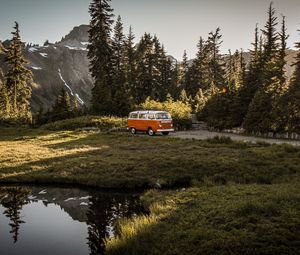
(240, 219)
(21, 134)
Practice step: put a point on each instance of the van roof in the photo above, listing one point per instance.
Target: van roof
(148, 112)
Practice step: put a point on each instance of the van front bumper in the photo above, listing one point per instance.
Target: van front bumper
(165, 130)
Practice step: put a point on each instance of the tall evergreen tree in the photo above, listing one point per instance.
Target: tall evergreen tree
(120, 91)
(18, 79)
(145, 68)
(184, 67)
(253, 78)
(260, 116)
(291, 100)
(130, 65)
(198, 75)
(100, 55)
(216, 64)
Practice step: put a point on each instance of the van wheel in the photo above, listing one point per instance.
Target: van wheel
(133, 131)
(150, 132)
(165, 133)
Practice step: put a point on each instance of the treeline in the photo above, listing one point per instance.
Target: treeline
(223, 91)
(15, 83)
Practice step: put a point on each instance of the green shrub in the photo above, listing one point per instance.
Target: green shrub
(103, 123)
(180, 111)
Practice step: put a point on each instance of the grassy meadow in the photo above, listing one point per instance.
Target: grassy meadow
(226, 198)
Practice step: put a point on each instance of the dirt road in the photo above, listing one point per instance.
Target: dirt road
(204, 134)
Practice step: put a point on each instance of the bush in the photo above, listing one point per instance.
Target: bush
(103, 123)
(180, 111)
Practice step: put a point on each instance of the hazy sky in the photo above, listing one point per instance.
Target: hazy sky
(177, 23)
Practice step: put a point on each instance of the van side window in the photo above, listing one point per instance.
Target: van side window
(133, 116)
(142, 116)
(151, 116)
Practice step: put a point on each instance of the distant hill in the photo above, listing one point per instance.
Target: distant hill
(65, 64)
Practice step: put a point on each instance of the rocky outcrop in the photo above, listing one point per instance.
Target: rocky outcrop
(63, 64)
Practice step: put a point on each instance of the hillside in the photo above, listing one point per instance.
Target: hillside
(63, 64)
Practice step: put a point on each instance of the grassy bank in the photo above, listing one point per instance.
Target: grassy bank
(243, 198)
(231, 219)
(126, 161)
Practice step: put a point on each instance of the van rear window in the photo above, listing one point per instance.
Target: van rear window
(133, 116)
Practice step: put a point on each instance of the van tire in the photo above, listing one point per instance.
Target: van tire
(150, 132)
(165, 133)
(133, 131)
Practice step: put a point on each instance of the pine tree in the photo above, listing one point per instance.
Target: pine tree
(200, 102)
(62, 108)
(145, 68)
(253, 78)
(18, 79)
(130, 65)
(184, 67)
(260, 116)
(100, 56)
(183, 97)
(198, 76)
(120, 91)
(4, 102)
(291, 101)
(215, 62)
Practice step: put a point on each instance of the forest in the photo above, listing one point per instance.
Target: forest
(223, 90)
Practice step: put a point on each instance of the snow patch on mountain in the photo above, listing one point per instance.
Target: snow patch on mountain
(75, 48)
(32, 49)
(44, 55)
(36, 68)
(70, 89)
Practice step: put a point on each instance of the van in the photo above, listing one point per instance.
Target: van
(150, 122)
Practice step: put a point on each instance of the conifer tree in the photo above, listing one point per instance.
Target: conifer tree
(18, 79)
(130, 64)
(62, 108)
(200, 102)
(145, 66)
(291, 101)
(253, 78)
(215, 63)
(4, 102)
(100, 56)
(183, 72)
(120, 91)
(260, 116)
(198, 76)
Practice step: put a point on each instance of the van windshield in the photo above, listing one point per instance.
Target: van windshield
(163, 116)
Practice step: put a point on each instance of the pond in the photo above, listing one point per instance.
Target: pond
(52, 220)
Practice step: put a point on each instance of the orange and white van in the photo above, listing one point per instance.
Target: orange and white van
(151, 122)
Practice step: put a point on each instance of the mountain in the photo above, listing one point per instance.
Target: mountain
(62, 64)
(65, 64)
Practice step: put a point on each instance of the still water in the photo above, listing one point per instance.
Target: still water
(60, 221)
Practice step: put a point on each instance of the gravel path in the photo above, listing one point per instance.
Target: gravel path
(204, 134)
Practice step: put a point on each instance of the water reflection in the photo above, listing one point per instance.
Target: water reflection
(13, 200)
(60, 220)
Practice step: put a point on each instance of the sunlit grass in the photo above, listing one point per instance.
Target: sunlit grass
(120, 160)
